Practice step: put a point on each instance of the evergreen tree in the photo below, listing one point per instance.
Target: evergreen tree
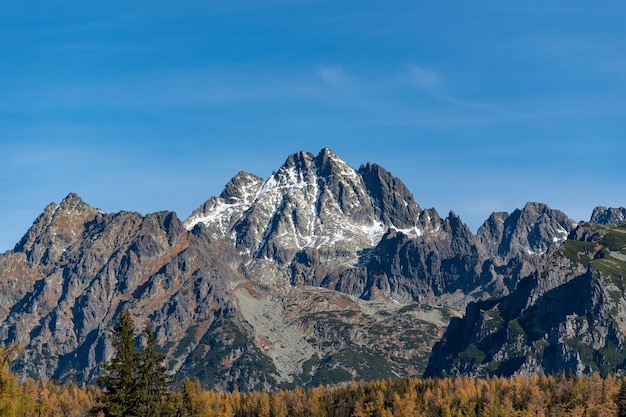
(120, 379)
(154, 382)
(135, 381)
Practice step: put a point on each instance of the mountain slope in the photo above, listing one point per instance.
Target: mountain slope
(297, 279)
(310, 202)
(570, 314)
(609, 216)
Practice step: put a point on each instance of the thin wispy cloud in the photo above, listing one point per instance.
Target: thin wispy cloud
(416, 83)
(424, 78)
(333, 77)
(382, 98)
(433, 84)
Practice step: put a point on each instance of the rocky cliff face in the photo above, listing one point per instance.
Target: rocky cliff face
(569, 314)
(325, 224)
(298, 279)
(610, 216)
(515, 242)
(531, 230)
(312, 201)
(79, 266)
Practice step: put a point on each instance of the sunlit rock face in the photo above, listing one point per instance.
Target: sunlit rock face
(567, 315)
(293, 279)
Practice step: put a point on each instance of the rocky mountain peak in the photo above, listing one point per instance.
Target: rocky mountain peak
(530, 230)
(58, 227)
(546, 227)
(568, 314)
(72, 202)
(429, 223)
(455, 226)
(490, 233)
(305, 276)
(328, 163)
(242, 188)
(609, 216)
(219, 214)
(393, 202)
(310, 202)
(298, 162)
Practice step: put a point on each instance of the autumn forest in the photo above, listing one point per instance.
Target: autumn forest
(536, 395)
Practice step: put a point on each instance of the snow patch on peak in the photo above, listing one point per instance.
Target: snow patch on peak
(219, 213)
(345, 168)
(294, 180)
(310, 202)
(374, 232)
(563, 235)
(222, 211)
(269, 185)
(412, 232)
(54, 207)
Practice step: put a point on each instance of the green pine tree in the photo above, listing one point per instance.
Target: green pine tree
(135, 381)
(154, 380)
(120, 395)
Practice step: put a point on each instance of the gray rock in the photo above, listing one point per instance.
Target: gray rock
(286, 280)
(568, 315)
(609, 216)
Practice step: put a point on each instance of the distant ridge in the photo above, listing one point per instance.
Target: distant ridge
(321, 273)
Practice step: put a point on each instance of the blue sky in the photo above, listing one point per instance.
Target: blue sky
(155, 105)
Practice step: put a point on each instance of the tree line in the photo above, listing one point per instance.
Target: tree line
(136, 383)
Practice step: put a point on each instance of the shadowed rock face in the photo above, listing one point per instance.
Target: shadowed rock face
(609, 216)
(77, 267)
(290, 280)
(569, 314)
(531, 230)
(391, 200)
(310, 202)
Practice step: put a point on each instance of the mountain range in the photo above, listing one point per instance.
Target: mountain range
(321, 273)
